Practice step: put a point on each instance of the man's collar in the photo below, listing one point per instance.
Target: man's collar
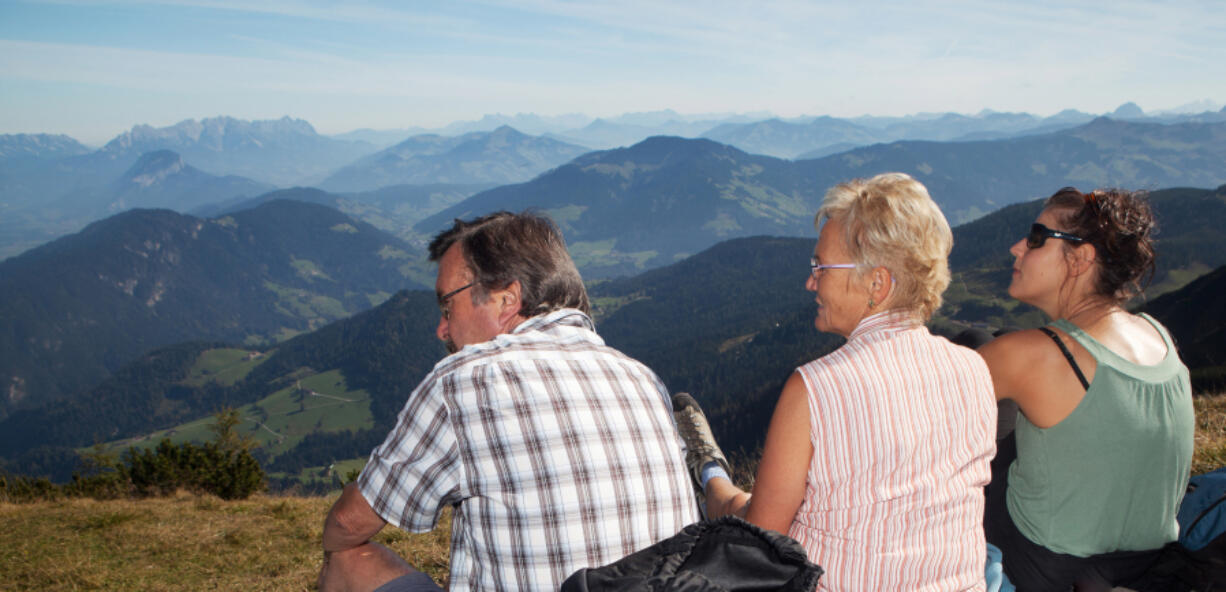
(571, 317)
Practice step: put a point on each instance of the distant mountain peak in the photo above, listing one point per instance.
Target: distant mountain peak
(212, 131)
(506, 130)
(154, 167)
(39, 145)
(1129, 110)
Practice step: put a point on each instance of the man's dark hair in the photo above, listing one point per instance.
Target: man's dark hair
(502, 247)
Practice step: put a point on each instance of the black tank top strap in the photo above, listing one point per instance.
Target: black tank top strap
(1067, 355)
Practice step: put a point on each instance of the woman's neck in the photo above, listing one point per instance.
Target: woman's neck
(1090, 311)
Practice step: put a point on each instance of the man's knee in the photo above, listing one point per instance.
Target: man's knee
(362, 569)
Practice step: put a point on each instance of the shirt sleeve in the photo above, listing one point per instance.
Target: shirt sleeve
(415, 472)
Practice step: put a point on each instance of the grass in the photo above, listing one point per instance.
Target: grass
(1210, 433)
(225, 366)
(183, 542)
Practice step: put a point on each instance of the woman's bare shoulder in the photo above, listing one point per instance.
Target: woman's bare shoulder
(1019, 362)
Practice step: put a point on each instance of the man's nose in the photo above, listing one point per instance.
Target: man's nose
(441, 331)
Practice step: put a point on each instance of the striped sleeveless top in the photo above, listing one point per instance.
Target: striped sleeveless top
(903, 430)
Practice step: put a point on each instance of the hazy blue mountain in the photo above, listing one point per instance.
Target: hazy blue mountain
(279, 152)
(28, 165)
(380, 139)
(630, 209)
(970, 179)
(822, 136)
(528, 123)
(159, 179)
(627, 130)
(78, 308)
(36, 168)
(394, 209)
(14, 146)
(786, 140)
(827, 151)
(501, 156)
(1129, 110)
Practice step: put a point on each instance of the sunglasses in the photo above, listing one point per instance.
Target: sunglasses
(1039, 234)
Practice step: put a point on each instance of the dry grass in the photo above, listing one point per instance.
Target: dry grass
(184, 542)
(1210, 433)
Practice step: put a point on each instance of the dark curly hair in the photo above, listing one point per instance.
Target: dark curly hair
(1120, 225)
(502, 247)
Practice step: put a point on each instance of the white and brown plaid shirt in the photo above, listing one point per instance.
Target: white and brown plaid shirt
(557, 452)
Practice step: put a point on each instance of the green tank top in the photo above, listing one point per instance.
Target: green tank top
(1110, 476)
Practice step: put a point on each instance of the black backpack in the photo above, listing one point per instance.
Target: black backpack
(1197, 561)
(720, 555)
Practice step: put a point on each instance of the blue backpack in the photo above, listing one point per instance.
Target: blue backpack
(1202, 515)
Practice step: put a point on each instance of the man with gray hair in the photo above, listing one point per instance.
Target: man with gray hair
(555, 451)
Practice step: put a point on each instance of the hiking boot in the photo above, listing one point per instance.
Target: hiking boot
(700, 446)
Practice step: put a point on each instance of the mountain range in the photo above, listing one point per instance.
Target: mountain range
(394, 209)
(75, 310)
(501, 156)
(17, 146)
(622, 211)
(279, 152)
(631, 209)
(39, 171)
(159, 179)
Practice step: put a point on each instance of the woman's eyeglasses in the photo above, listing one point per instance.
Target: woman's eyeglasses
(817, 268)
(1039, 234)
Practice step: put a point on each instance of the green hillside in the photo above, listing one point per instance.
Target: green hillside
(327, 395)
(77, 309)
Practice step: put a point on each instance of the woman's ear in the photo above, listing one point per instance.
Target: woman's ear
(1082, 258)
(880, 285)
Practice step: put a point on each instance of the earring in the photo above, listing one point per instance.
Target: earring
(870, 302)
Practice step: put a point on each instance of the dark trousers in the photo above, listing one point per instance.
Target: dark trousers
(1035, 568)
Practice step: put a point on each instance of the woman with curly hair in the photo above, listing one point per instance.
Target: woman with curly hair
(1104, 433)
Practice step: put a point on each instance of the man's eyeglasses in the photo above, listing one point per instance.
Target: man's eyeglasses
(444, 301)
(1039, 234)
(817, 268)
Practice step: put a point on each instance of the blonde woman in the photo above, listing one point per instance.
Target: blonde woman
(877, 454)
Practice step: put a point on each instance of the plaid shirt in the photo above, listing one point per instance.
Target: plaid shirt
(556, 451)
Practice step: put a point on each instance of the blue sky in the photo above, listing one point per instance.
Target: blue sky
(94, 69)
